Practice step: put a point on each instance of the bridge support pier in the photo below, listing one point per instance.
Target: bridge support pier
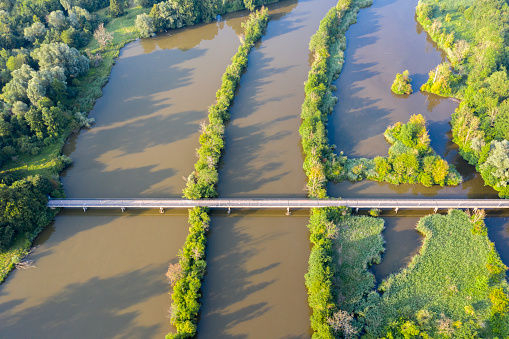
(161, 210)
(357, 210)
(84, 209)
(229, 211)
(288, 211)
(123, 209)
(396, 209)
(436, 210)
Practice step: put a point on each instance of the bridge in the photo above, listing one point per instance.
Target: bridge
(396, 204)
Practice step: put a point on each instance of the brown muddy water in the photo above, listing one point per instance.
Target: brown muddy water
(101, 274)
(254, 287)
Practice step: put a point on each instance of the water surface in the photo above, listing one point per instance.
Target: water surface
(101, 274)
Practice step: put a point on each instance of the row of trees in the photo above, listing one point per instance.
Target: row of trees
(201, 183)
(186, 276)
(23, 207)
(39, 69)
(172, 14)
(475, 39)
(327, 45)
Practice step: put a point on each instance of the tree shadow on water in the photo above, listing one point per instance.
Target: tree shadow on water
(229, 286)
(93, 309)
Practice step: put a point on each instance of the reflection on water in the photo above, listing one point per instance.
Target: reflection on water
(96, 276)
(190, 37)
(100, 274)
(147, 122)
(262, 155)
(498, 231)
(254, 287)
(388, 40)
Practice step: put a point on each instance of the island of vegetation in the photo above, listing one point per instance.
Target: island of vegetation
(411, 160)
(401, 84)
(474, 36)
(454, 288)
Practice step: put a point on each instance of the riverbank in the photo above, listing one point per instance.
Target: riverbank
(46, 163)
(327, 45)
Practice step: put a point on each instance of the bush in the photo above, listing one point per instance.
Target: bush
(401, 84)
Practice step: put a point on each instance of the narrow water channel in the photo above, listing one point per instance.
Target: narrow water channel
(254, 287)
(101, 274)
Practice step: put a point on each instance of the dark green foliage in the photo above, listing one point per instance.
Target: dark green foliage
(319, 279)
(401, 84)
(411, 160)
(117, 8)
(327, 44)
(23, 208)
(172, 14)
(186, 289)
(201, 183)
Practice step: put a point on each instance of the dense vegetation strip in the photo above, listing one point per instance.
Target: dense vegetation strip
(186, 276)
(202, 182)
(473, 33)
(327, 45)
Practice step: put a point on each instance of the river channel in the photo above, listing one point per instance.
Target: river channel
(101, 274)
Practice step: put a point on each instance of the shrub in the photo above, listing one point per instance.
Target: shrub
(401, 84)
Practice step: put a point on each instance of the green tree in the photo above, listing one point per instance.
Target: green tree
(145, 25)
(59, 54)
(16, 89)
(36, 32)
(117, 8)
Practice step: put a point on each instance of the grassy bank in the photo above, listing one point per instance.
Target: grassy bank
(455, 287)
(186, 278)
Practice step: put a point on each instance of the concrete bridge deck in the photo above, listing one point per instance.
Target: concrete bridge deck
(281, 203)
